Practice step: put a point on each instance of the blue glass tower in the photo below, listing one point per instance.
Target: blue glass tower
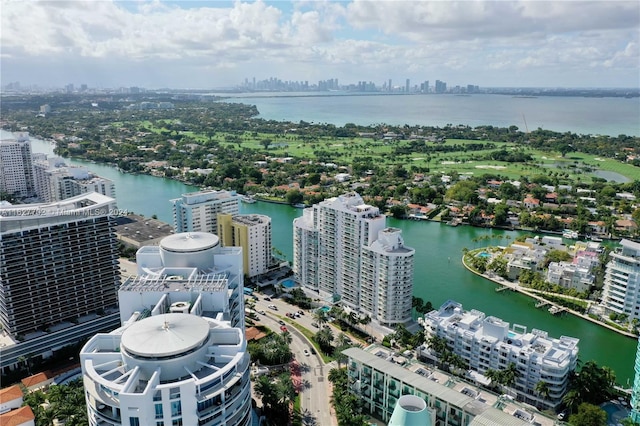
(635, 394)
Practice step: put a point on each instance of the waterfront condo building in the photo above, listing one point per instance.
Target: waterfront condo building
(621, 290)
(198, 211)
(487, 342)
(16, 168)
(180, 356)
(383, 379)
(252, 232)
(343, 250)
(54, 181)
(58, 274)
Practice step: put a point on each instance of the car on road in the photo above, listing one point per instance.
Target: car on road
(262, 312)
(314, 324)
(306, 352)
(267, 298)
(274, 307)
(283, 329)
(281, 322)
(300, 312)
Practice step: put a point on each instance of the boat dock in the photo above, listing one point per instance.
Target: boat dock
(555, 310)
(541, 303)
(503, 288)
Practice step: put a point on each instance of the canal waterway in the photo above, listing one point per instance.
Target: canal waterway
(439, 273)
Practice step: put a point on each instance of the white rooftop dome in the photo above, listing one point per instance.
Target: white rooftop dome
(186, 242)
(165, 335)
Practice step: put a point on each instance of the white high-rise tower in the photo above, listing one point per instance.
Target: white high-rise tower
(16, 169)
(343, 249)
(198, 211)
(180, 357)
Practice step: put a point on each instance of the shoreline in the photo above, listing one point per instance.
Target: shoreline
(517, 288)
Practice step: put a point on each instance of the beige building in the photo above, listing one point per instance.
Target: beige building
(252, 232)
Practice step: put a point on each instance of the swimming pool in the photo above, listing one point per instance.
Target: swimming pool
(325, 309)
(484, 254)
(615, 412)
(288, 283)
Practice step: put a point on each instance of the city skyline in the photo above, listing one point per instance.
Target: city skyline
(215, 44)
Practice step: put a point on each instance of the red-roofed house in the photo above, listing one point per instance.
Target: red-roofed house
(531, 203)
(626, 225)
(38, 381)
(598, 227)
(22, 416)
(10, 398)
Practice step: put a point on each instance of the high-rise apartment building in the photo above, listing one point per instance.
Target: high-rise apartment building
(58, 274)
(621, 290)
(180, 357)
(55, 181)
(59, 262)
(487, 342)
(342, 249)
(16, 169)
(198, 211)
(252, 232)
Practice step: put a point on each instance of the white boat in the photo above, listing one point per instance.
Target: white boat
(248, 199)
(567, 233)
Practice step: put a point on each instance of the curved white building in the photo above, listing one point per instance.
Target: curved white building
(180, 357)
(169, 369)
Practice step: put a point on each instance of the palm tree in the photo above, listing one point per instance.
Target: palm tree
(510, 374)
(320, 317)
(572, 399)
(542, 389)
(336, 375)
(324, 338)
(365, 321)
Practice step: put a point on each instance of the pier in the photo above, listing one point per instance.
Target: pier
(503, 288)
(541, 303)
(555, 310)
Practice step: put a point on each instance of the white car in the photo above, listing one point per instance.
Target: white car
(306, 352)
(274, 307)
(262, 312)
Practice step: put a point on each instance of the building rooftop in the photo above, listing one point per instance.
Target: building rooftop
(170, 282)
(18, 417)
(139, 230)
(186, 242)
(10, 393)
(496, 410)
(165, 335)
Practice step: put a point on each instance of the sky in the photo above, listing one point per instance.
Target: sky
(216, 44)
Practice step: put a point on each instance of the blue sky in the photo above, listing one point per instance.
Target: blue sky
(212, 44)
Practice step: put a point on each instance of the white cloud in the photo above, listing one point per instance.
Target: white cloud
(373, 40)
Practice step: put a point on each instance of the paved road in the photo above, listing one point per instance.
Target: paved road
(315, 395)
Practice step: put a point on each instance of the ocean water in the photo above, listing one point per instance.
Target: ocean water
(580, 115)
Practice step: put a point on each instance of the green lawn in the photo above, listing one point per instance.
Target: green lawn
(574, 166)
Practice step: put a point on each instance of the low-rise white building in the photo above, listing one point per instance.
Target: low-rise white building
(487, 342)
